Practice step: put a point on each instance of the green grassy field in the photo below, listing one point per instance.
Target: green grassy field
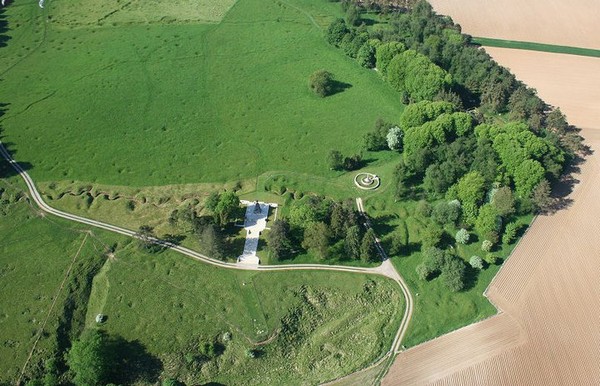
(301, 325)
(35, 256)
(314, 332)
(518, 45)
(181, 102)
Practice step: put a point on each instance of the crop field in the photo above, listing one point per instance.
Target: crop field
(309, 327)
(557, 22)
(179, 103)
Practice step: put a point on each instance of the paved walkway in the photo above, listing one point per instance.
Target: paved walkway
(254, 223)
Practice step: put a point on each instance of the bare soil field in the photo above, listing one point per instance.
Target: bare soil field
(547, 292)
(568, 23)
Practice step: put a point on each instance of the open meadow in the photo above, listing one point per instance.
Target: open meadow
(181, 102)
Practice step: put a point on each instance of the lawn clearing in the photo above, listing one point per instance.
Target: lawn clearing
(184, 102)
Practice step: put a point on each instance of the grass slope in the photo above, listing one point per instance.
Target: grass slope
(518, 45)
(314, 332)
(183, 102)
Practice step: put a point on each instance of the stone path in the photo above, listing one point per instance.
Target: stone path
(254, 223)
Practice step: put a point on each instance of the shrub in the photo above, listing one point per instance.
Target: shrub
(462, 236)
(490, 258)
(423, 271)
(321, 82)
(510, 233)
(486, 245)
(476, 262)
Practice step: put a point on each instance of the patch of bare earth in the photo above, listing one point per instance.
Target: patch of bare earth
(548, 292)
(567, 23)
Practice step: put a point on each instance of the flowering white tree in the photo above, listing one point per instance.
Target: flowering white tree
(394, 138)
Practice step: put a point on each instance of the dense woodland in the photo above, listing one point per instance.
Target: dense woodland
(477, 147)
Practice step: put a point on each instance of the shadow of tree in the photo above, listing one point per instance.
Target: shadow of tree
(134, 364)
(338, 87)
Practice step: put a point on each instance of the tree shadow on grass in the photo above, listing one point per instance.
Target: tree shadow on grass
(339, 87)
(134, 363)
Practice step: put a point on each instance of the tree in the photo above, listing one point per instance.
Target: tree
(322, 83)
(316, 239)
(453, 275)
(91, 359)
(541, 196)
(446, 213)
(278, 240)
(556, 121)
(486, 245)
(336, 160)
(423, 271)
(432, 236)
(476, 262)
(353, 15)
(527, 175)
(146, 237)
(336, 32)
(488, 222)
(394, 138)
(353, 162)
(504, 201)
(510, 232)
(223, 206)
(385, 53)
(211, 241)
(399, 241)
(462, 236)
(470, 190)
(366, 55)
(352, 242)
(302, 214)
(368, 251)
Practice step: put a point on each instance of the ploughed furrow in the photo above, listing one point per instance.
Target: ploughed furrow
(468, 346)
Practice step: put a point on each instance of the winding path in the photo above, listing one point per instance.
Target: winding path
(385, 269)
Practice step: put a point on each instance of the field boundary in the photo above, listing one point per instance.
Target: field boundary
(531, 46)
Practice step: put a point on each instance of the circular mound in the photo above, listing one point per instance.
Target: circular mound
(367, 181)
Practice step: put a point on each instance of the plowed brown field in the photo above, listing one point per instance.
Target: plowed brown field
(548, 331)
(561, 22)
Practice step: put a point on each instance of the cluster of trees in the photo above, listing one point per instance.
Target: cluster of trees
(337, 161)
(325, 228)
(220, 210)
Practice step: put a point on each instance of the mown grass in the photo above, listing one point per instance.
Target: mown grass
(518, 45)
(155, 104)
(314, 332)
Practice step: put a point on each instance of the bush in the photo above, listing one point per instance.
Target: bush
(476, 262)
(491, 258)
(510, 233)
(423, 271)
(486, 245)
(462, 236)
(321, 82)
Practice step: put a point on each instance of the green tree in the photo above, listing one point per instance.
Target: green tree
(453, 275)
(366, 55)
(446, 213)
(470, 190)
(510, 232)
(488, 222)
(527, 175)
(146, 239)
(352, 242)
(227, 207)
(385, 53)
(336, 32)
(353, 15)
(399, 240)
(302, 214)
(316, 239)
(91, 359)
(368, 250)
(278, 240)
(432, 236)
(322, 83)
(504, 201)
(486, 245)
(335, 160)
